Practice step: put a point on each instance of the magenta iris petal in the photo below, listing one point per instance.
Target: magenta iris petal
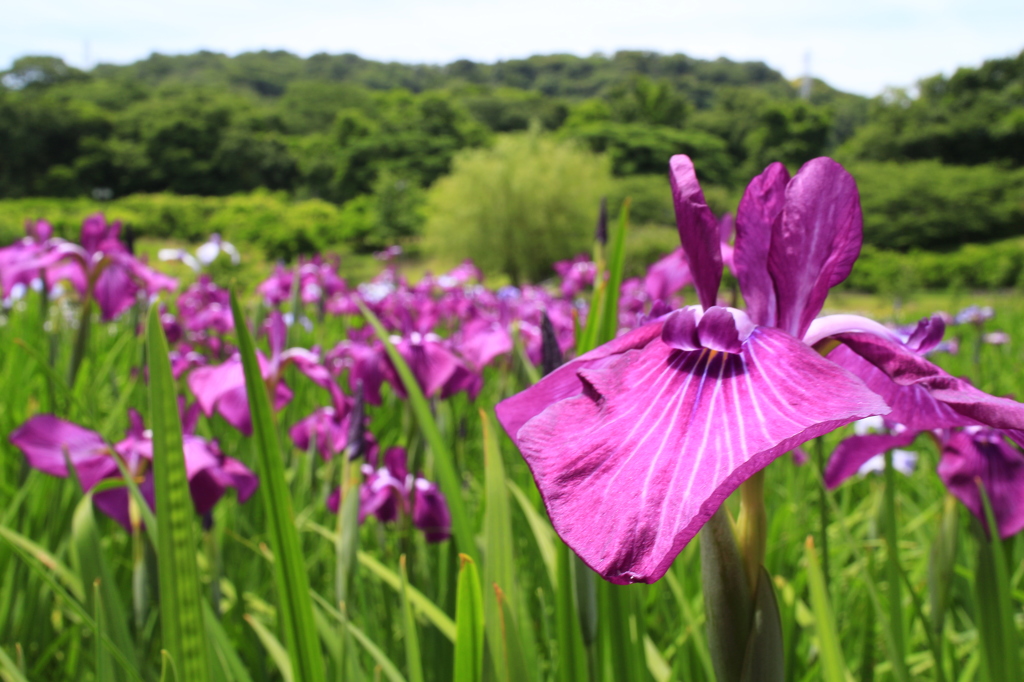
(430, 511)
(913, 406)
(667, 276)
(680, 330)
(483, 340)
(661, 437)
(46, 440)
(853, 452)
(907, 369)
(698, 229)
(986, 455)
(114, 502)
(565, 382)
(815, 241)
(724, 329)
(760, 206)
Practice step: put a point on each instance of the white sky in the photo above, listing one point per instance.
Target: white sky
(860, 46)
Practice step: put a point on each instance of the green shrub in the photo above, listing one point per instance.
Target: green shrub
(928, 205)
(518, 207)
(973, 266)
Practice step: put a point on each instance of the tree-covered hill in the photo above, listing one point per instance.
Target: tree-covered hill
(330, 125)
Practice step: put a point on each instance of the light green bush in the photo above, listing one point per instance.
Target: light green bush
(517, 207)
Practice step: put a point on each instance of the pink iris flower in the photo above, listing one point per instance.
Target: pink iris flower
(50, 443)
(100, 268)
(221, 388)
(636, 444)
(391, 492)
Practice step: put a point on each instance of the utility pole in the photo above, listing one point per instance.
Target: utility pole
(805, 82)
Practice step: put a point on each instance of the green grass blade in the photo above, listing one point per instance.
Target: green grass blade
(469, 623)
(389, 669)
(9, 671)
(104, 666)
(274, 647)
(181, 613)
(833, 669)
(1000, 646)
(616, 264)
(543, 533)
(571, 663)
(63, 573)
(295, 611)
(426, 608)
(88, 557)
(229, 665)
(449, 479)
(893, 580)
(412, 638)
(76, 606)
(501, 619)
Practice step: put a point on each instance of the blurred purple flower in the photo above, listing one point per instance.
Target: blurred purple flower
(101, 268)
(221, 388)
(391, 492)
(49, 443)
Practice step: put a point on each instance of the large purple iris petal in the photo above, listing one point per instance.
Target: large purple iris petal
(912, 406)
(968, 457)
(853, 452)
(698, 229)
(49, 442)
(565, 382)
(760, 206)
(907, 369)
(661, 437)
(815, 241)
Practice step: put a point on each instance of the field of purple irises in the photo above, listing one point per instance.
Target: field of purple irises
(716, 471)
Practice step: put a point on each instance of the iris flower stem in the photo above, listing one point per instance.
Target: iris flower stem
(819, 455)
(893, 572)
(81, 338)
(752, 527)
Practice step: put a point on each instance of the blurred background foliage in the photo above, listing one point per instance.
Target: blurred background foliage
(338, 152)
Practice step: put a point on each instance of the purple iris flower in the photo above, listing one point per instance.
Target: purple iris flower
(101, 268)
(205, 311)
(221, 388)
(391, 492)
(636, 444)
(30, 261)
(967, 455)
(49, 443)
(329, 429)
(577, 274)
(318, 280)
(995, 458)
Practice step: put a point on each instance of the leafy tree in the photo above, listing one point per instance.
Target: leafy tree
(519, 206)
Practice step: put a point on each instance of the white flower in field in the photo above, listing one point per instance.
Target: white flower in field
(208, 252)
(205, 255)
(182, 255)
(903, 461)
(862, 427)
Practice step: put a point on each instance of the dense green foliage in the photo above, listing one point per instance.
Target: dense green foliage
(974, 116)
(328, 126)
(347, 147)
